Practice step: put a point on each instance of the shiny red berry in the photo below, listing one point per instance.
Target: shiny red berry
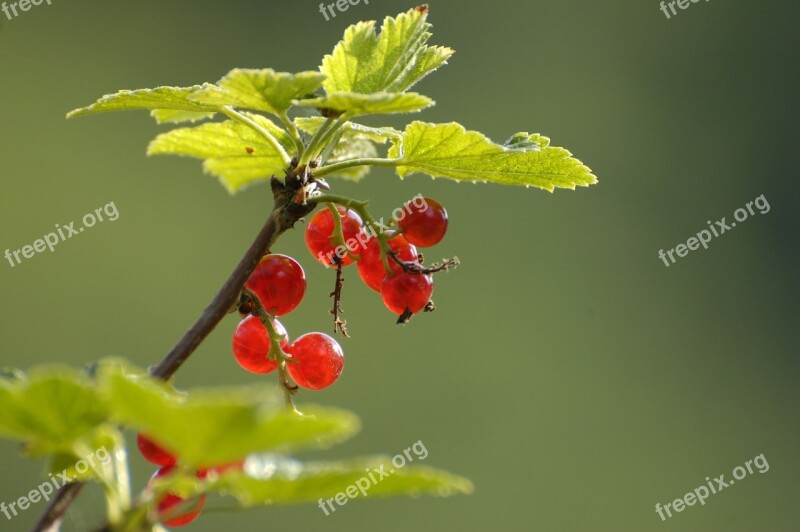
(251, 345)
(423, 222)
(279, 282)
(174, 510)
(318, 361)
(320, 230)
(370, 267)
(404, 291)
(154, 453)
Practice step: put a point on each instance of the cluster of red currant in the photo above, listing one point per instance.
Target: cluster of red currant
(405, 286)
(173, 510)
(315, 360)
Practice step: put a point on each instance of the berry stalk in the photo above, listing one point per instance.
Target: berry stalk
(276, 352)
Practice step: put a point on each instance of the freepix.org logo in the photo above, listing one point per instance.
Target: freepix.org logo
(45, 489)
(10, 10)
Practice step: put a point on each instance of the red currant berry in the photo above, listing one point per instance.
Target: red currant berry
(279, 282)
(318, 361)
(423, 225)
(406, 291)
(154, 453)
(174, 509)
(370, 267)
(320, 230)
(251, 344)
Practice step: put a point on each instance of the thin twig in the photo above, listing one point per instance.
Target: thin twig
(338, 323)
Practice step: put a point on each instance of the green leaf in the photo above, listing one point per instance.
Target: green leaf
(261, 90)
(172, 116)
(365, 62)
(355, 104)
(354, 148)
(233, 151)
(448, 150)
(52, 410)
(95, 460)
(352, 130)
(160, 98)
(214, 427)
(288, 481)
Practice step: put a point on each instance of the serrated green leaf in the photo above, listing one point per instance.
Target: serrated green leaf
(213, 427)
(234, 152)
(261, 90)
(448, 150)
(378, 103)
(365, 62)
(352, 130)
(163, 98)
(289, 481)
(52, 410)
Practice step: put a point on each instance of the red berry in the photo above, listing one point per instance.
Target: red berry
(423, 225)
(320, 230)
(318, 361)
(370, 267)
(174, 509)
(279, 282)
(154, 453)
(406, 291)
(251, 344)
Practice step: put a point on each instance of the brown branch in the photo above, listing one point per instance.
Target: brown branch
(283, 216)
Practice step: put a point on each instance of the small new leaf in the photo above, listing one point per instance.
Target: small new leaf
(163, 100)
(234, 152)
(308, 482)
(365, 62)
(260, 90)
(354, 104)
(448, 150)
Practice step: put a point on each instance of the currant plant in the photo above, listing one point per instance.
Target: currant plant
(303, 128)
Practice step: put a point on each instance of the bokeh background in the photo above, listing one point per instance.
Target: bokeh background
(571, 375)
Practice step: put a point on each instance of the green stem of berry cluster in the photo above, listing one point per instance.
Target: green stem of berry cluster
(360, 207)
(275, 350)
(337, 237)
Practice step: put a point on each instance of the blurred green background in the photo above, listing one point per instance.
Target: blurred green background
(571, 375)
